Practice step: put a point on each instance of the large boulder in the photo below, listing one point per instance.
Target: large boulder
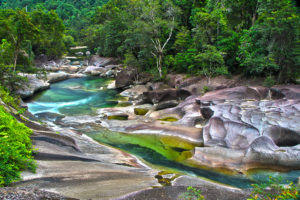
(135, 91)
(102, 61)
(289, 91)
(262, 132)
(199, 85)
(157, 96)
(70, 68)
(126, 77)
(92, 70)
(56, 77)
(34, 85)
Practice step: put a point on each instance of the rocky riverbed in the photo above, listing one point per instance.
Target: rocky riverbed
(233, 129)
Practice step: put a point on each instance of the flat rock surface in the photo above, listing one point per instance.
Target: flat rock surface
(76, 166)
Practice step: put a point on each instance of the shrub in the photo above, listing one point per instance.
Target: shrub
(15, 148)
(273, 190)
(192, 194)
(269, 81)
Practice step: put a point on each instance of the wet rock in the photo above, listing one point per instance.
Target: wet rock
(52, 117)
(112, 85)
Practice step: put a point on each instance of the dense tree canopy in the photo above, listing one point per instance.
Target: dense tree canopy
(204, 37)
(24, 35)
(259, 37)
(75, 14)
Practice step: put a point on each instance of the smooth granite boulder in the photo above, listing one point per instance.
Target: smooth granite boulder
(126, 77)
(33, 85)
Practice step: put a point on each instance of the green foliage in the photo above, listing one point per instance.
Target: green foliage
(15, 148)
(75, 14)
(268, 46)
(68, 41)
(269, 81)
(8, 99)
(192, 194)
(25, 35)
(273, 190)
(206, 89)
(50, 39)
(209, 37)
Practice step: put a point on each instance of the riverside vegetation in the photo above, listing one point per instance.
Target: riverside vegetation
(258, 38)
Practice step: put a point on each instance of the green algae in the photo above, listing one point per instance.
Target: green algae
(157, 143)
(169, 119)
(141, 111)
(124, 104)
(117, 117)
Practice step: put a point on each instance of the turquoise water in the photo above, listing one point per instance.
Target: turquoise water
(84, 96)
(74, 97)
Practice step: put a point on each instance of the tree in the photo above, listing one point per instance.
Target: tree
(51, 32)
(211, 62)
(160, 21)
(268, 47)
(19, 29)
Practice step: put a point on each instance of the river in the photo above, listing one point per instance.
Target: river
(84, 96)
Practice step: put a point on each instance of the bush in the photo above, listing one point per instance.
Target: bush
(269, 81)
(273, 190)
(192, 194)
(15, 148)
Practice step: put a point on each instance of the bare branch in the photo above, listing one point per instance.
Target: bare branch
(170, 34)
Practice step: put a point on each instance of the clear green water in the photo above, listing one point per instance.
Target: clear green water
(83, 96)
